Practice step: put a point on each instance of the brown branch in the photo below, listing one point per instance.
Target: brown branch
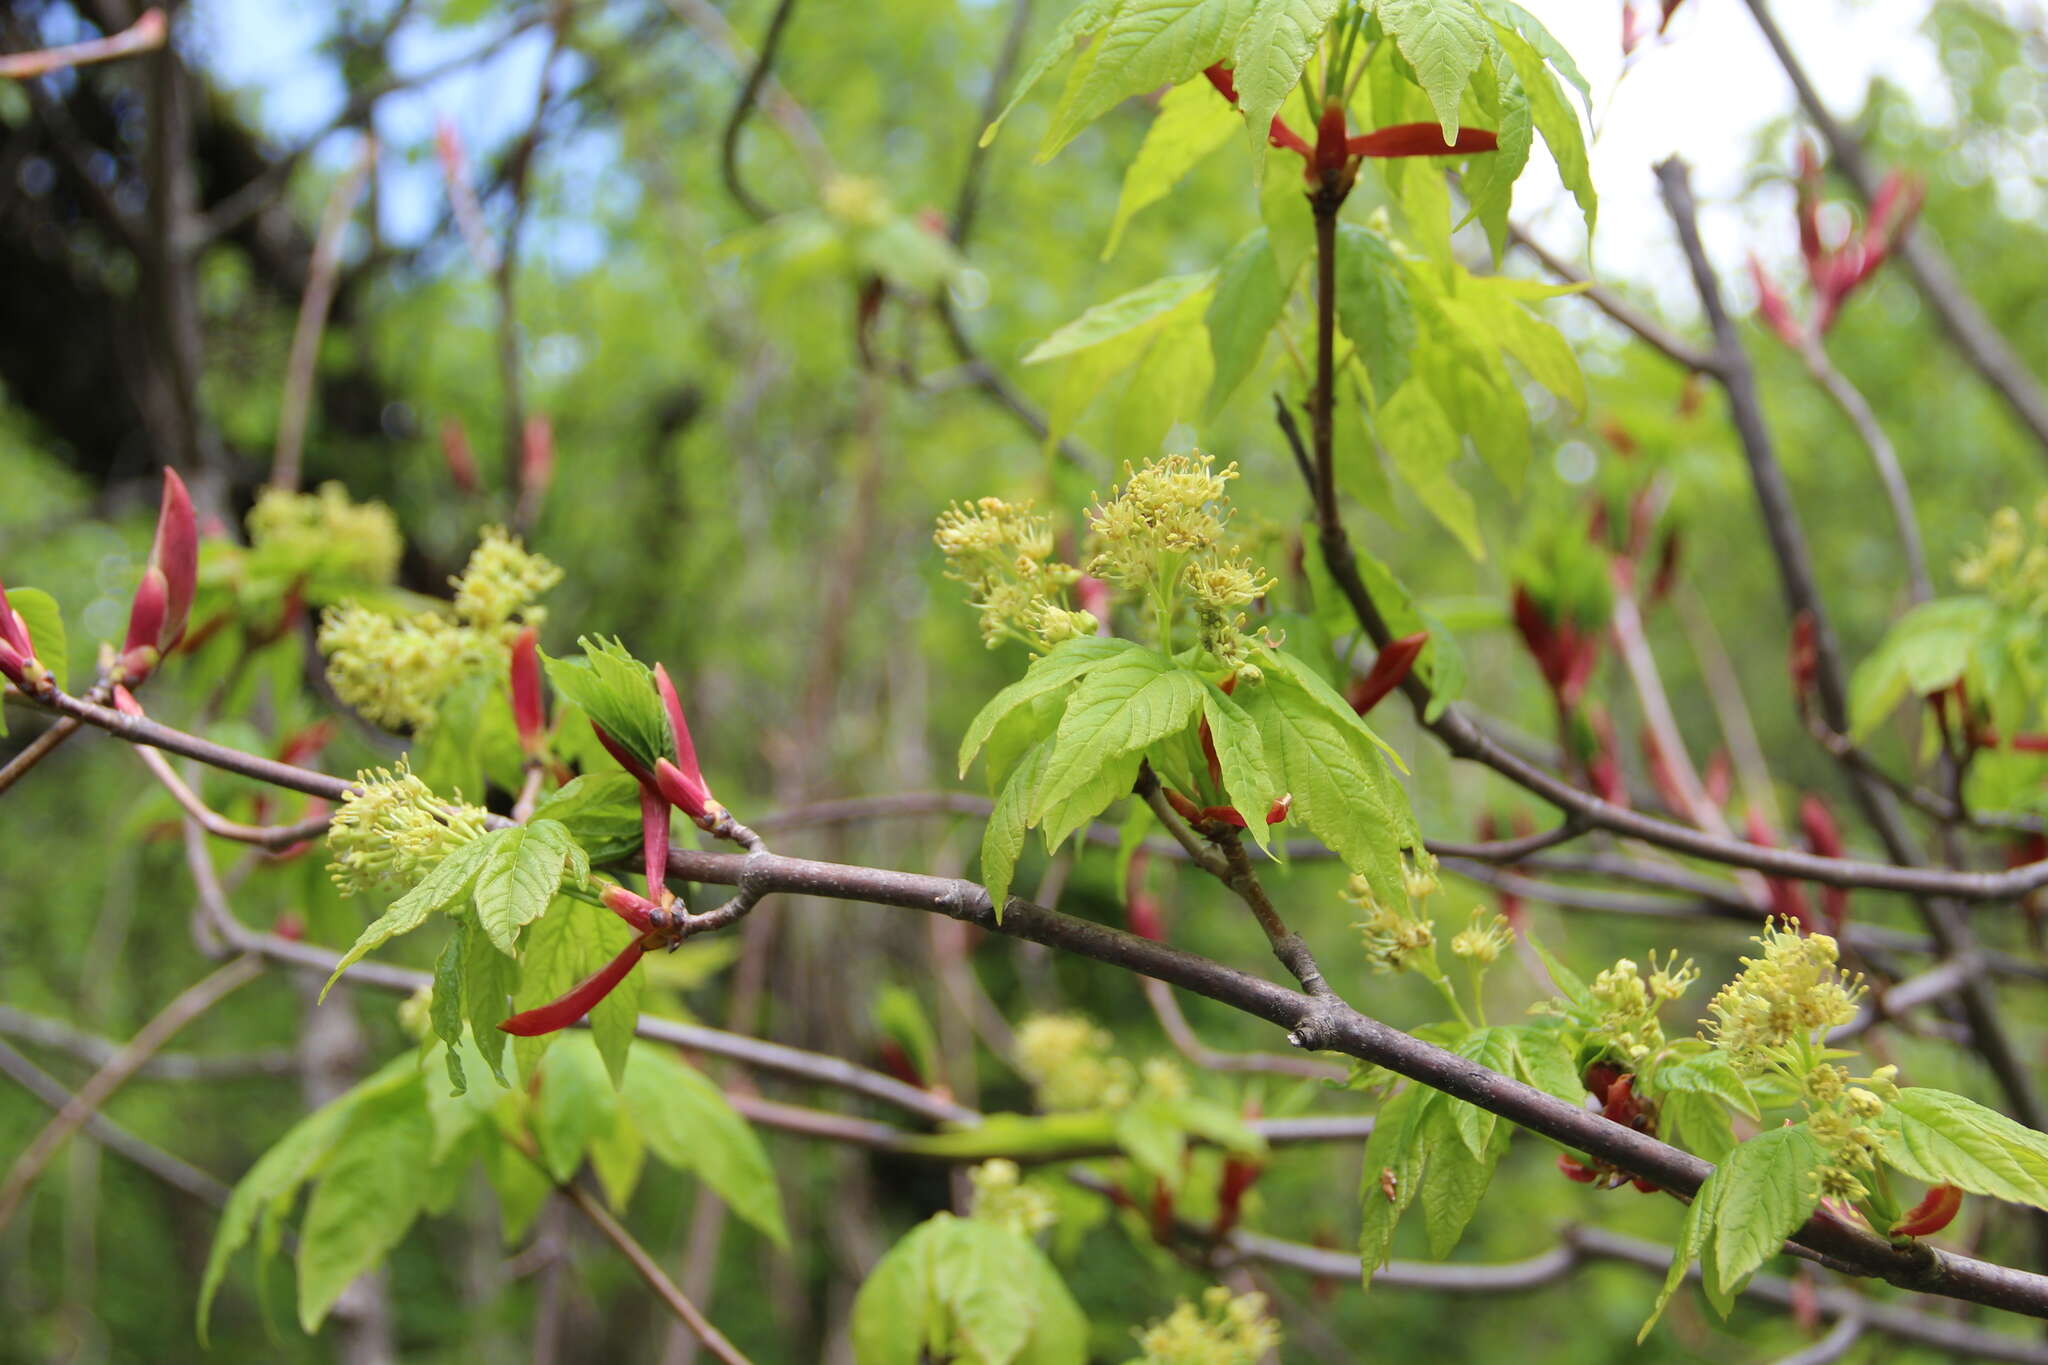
(644, 1264)
(1326, 1024)
(271, 837)
(190, 1003)
(1590, 1244)
(1974, 337)
(146, 34)
(1943, 916)
(1680, 352)
(321, 277)
(1849, 399)
(179, 1175)
(736, 119)
(262, 189)
(164, 1066)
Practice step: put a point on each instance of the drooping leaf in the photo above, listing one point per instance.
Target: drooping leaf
(1164, 388)
(524, 870)
(574, 1103)
(369, 1191)
(1061, 666)
(1422, 444)
(1445, 41)
(1003, 841)
(1320, 751)
(1151, 1134)
(1945, 1139)
(1505, 13)
(1248, 780)
(1272, 50)
(1120, 316)
(1552, 113)
(446, 1011)
(1084, 19)
(1756, 1198)
(1455, 1175)
(1192, 122)
(1250, 298)
(968, 1291)
(279, 1173)
(1395, 1156)
(617, 691)
(1925, 651)
(1372, 305)
(562, 948)
(45, 621)
(444, 886)
(689, 1125)
(601, 811)
(1144, 45)
(1135, 699)
(1489, 180)
(1107, 784)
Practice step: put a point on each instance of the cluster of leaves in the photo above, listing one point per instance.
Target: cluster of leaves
(1980, 659)
(1066, 741)
(397, 1146)
(1808, 1124)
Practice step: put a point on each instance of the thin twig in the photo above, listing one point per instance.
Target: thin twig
(1680, 352)
(1975, 338)
(178, 1174)
(271, 837)
(591, 1207)
(1870, 431)
(146, 34)
(190, 1003)
(165, 1066)
(321, 276)
(736, 119)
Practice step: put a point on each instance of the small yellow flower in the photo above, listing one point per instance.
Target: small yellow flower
(1001, 1197)
(1226, 1330)
(1065, 1057)
(393, 829)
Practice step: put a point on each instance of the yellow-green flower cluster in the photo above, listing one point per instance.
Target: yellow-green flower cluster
(499, 583)
(1004, 555)
(1226, 1330)
(2012, 565)
(1783, 1002)
(1001, 1197)
(1482, 940)
(1162, 534)
(1066, 1059)
(392, 830)
(326, 534)
(1393, 941)
(395, 670)
(1627, 1001)
(1839, 1114)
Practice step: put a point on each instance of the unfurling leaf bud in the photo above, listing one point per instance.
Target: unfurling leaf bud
(176, 552)
(163, 600)
(1776, 311)
(629, 906)
(1422, 139)
(561, 1013)
(1804, 660)
(139, 653)
(536, 459)
(680, 791)
(1388, 671)
(460, 459)
(527, 712)
(1931, 1214)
